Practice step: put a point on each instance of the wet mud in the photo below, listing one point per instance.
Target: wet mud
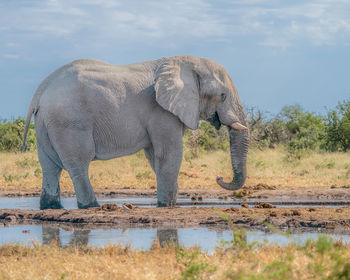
(261, 216)
(258, 191)
(264, 217)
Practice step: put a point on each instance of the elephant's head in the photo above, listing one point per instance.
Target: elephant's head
(198, 88)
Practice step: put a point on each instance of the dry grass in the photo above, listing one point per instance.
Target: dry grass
(315, 260)
(21, 172)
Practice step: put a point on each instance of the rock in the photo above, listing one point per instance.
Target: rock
(296, 212)
(26, 231)
(11, 219)
(265, 205)
(231, 209)
(109, 207)
(312, 209)
(200, 198)
(245, 205)
(127, 206)
(273, 214)
(152, 187)
(333, 186)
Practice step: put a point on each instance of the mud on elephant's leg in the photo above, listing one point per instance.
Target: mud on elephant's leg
(85, 194)
(50, 193)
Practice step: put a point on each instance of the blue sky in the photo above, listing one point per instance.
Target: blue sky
(277, 52)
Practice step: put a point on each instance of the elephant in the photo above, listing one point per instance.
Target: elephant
(91, 110)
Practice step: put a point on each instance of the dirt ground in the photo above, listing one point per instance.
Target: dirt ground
(335, 218)
(257, 191)
(313, 218)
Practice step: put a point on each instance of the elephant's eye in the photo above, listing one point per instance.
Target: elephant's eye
(223, 97)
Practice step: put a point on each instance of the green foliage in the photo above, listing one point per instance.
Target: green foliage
(305, 130)
(144, 175)
(11, 135)
(302, 131)
(206, 137)
(324, 244)
(27, 163)
(278, 270)
(194, 269)
(37, 172)
(338, 128)
(266, 132)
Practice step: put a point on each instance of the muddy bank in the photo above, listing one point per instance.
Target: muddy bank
(259, 191)
(312, 218)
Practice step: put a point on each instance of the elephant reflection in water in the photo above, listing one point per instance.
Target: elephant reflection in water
(80, 237)
(167, 237)
(52, 234)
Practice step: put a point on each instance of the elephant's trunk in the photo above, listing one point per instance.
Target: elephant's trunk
(239, 141)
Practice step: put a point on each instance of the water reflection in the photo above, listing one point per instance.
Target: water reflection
(80, 237)
(143, 238)
(167, 236)
(50, 235)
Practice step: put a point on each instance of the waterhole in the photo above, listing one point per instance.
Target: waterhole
(207, 239)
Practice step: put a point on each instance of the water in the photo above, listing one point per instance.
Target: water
(142, 238)
(32, 203)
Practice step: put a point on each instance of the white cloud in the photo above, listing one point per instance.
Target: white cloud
(11, 56)
(319, 22)
(274, 23)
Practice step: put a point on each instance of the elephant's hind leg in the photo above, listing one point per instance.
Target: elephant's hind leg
(76, 150)
(50, 193)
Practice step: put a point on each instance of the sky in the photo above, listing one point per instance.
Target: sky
(277, 52)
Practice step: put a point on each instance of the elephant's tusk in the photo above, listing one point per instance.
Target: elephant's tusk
(238, 126)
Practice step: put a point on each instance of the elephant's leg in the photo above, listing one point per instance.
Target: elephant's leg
(76, 150)
(167, 157)
(82, 186)
(50, 193)
(167, 169)
(149, 152)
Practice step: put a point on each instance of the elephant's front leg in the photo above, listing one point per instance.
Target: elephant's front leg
(167, 169)
(165, 154)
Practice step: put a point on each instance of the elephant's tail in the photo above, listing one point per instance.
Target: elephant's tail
(29, 116)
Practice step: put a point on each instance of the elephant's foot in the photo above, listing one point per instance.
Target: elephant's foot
(171, 203)
(89, 205)
(50, 202)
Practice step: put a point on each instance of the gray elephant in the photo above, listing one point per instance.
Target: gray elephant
(91, 110)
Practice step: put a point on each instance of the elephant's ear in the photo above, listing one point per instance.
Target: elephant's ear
(177, 91)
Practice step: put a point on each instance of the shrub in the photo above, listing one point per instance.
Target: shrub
(11, 135)
(266, 132)
(338, 128)
(206, 137)
(305, 130)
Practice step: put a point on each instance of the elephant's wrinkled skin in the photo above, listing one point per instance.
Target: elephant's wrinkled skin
(88, 110)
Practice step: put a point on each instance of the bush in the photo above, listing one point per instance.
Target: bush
(305, 130)
(266, 132)
(206, 137)
(338, 128)
(11, 135)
